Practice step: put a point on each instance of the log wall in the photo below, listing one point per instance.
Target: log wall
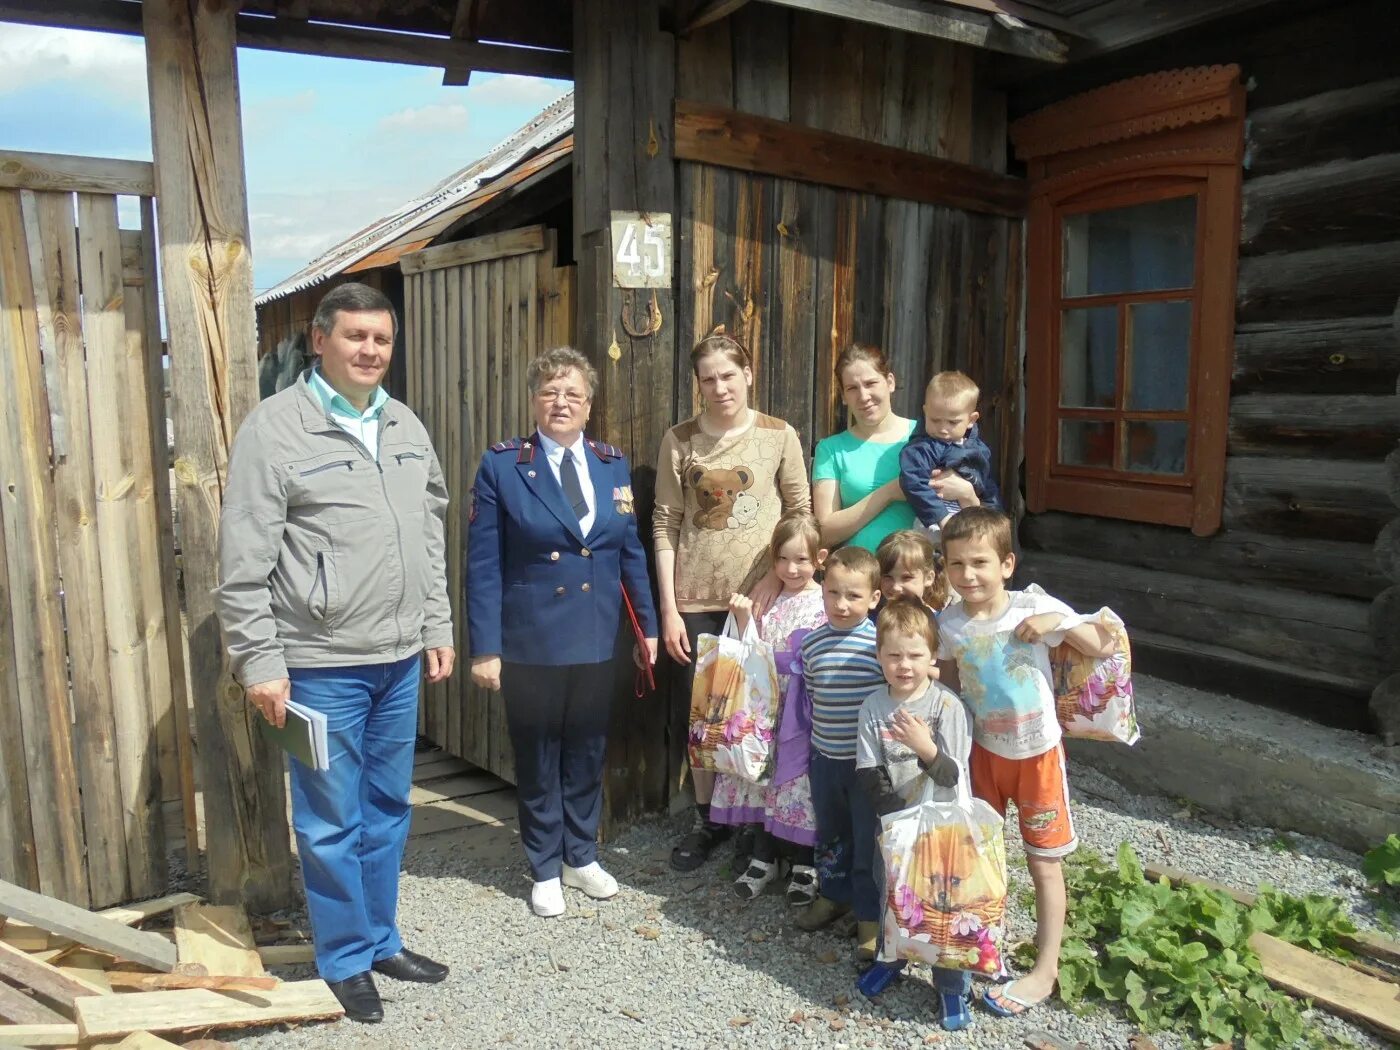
(1282, 595)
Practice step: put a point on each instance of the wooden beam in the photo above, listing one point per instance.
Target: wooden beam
(60, 988)
(946, 23)
(81, 925)
(706, 12)
(195, 1009)
(40, 1035)
(309, 38)
(477, 249)
(218, 938)
(1112, 27)
(714, 135)
(18, 1008)
(1359, 997)
(57, 173)
(463, 28)
(208, 282)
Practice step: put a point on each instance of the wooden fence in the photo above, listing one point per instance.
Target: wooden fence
(475, 313)
(94, 724)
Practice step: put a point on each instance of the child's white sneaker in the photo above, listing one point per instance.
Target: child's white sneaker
(592, 879)
(547, 899)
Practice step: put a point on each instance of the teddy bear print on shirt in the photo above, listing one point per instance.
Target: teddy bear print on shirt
(722, 497)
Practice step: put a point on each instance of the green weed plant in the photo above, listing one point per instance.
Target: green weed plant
(1178, 957)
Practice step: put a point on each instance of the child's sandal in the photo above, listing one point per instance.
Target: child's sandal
(802, 889)
(755, 878)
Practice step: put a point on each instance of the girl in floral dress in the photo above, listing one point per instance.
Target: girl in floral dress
(780, 812)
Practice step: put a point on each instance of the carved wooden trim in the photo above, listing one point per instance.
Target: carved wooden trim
(1130, 109)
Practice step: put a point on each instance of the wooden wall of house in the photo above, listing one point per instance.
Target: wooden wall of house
(800, 270)
(1279, 604)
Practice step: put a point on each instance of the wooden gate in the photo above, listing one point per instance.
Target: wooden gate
(94, 733)
(475, 313)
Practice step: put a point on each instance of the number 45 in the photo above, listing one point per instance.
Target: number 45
(651, 258)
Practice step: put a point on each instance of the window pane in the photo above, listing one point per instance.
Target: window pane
(1144, 247)
(1156, 448)
(1159, 356)
(1089, 357)
(1086, 444)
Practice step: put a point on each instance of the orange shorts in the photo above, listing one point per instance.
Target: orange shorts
(1040, 790)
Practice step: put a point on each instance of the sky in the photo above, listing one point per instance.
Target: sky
(330, 144)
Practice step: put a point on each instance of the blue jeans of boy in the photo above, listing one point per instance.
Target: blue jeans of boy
(351, 821)
(846, 825)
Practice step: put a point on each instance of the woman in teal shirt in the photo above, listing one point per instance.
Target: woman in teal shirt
(855, 474)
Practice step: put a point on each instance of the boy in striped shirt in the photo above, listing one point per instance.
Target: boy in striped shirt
(840, 669)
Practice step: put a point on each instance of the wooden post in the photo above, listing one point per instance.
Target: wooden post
(207, 271)
(624, 75)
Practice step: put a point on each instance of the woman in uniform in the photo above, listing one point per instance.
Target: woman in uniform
(553, 559)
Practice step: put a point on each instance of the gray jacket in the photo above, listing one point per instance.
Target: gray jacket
(328, 557)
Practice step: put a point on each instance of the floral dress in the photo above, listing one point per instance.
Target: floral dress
(784, 810)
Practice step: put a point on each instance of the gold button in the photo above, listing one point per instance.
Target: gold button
(585, 552)
(553, 555)
(560, 590)
(587, 587)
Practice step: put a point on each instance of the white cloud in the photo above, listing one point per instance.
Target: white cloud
(33, 56)
(515, 91)
(436, 118)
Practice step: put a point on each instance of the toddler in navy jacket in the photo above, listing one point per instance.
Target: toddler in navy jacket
(948, 441)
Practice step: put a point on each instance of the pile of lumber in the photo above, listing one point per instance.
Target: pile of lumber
(71, 977)
(1365, 989)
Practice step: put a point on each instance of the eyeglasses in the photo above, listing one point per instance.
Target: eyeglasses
(571, 397)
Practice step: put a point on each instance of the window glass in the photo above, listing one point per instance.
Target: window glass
(1140, 248)
(1158, 363)
(1086, 443)
(1156, 447)
(1089, 357)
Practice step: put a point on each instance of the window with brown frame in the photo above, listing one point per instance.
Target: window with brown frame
(1132, 242)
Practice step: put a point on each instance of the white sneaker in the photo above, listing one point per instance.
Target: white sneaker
(547, 898)
(592, 879)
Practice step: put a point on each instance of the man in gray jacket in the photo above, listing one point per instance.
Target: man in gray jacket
(333, 592)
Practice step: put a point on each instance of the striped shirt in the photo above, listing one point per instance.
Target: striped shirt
(840, 669)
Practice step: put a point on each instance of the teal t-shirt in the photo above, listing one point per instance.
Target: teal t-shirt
(859, 468)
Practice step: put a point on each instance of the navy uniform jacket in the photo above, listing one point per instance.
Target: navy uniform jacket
(538, 590)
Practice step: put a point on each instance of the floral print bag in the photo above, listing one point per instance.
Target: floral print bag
(734, 704)
(1093, 695)
(945, 885)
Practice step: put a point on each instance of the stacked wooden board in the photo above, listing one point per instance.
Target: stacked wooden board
(70, 976)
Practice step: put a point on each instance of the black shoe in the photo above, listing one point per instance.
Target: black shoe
(410, 966)
(360, 998)
(696, 847)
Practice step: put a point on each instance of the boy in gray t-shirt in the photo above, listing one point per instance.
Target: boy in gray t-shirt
(912, 745)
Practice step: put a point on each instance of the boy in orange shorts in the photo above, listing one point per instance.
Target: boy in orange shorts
(994, 648)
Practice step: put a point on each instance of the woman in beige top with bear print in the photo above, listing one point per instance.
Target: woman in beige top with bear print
(723, 479)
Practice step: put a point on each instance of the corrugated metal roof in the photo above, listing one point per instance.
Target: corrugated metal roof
(419, 220)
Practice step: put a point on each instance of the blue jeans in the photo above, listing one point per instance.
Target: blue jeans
(351, 821)
(846, 828)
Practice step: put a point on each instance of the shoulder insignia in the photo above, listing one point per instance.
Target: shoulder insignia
(604, 451)
(508, 445)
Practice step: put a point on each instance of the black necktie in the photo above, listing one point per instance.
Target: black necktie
(573, 491)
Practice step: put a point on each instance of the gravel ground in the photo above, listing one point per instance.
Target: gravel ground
(676, 961)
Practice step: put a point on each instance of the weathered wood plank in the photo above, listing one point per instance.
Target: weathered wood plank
(451, 451)
(1328, 633)
(1333, 499)
(209, 316)
(946, 23)
(1346, 355)
(770, 147)
(20, 1009)
(217, 937)
(85, 927)
(287, 954)
(1340, 202)
(1343, 124)
(115, 475)
(192, 1009)
(761, 80)
(55, 173)
(1351, 426)
(1367, 1000)
(129, 981)
(1311, 284)
(54, 259)
(1320, 565)
(523, 241)
(27, 497)
(41, 1034)
(48, 982)
(792, 367)
(17, 853)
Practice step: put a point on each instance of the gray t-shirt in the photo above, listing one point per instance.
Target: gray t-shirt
(943, 713)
